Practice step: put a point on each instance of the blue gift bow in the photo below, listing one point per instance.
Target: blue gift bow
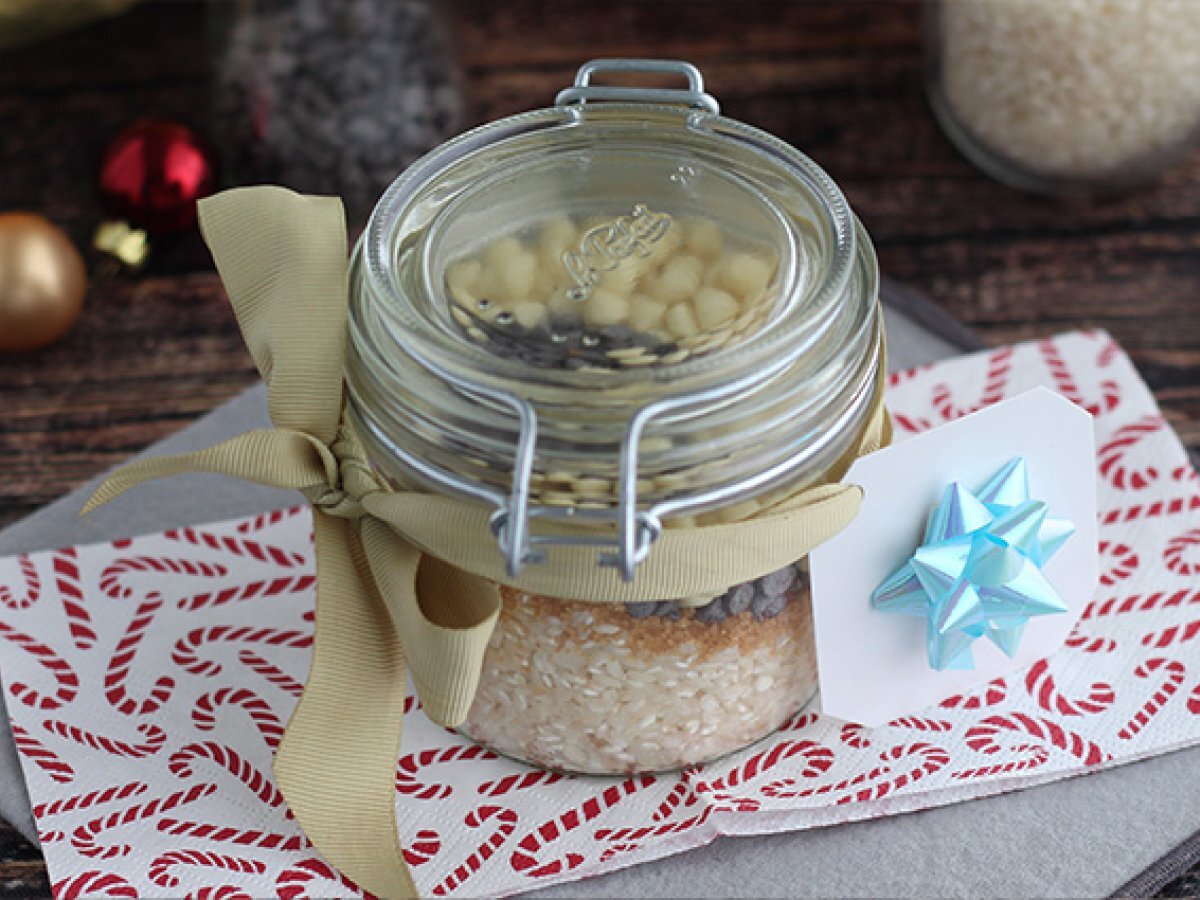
(978, 570)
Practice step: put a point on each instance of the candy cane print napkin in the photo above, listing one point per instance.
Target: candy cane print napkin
(149, 680)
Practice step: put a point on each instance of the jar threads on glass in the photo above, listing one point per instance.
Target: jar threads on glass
(619, 315)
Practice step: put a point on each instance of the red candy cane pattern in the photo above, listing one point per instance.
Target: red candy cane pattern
(1112, 455)
(90, 799)
(271, 587)
(506, 823)
(519, 782)
(1122, 562)
(204, 714)
(1193, 702)
(70, 588)
(411, 781)
(161, 869)
(66, 681)
(681, 796)
(1174, 634)
(1116, 606)
(930, 758)
(296, 881)
(921, 723)
(985, 735)
(525, 859)
(272, 673)
(1077, 640)
(1172, 677)
(999, 366)
(991, 694)
(265, 520)
(817, 760)
(31, 591)
(1030, 756)
(115, 680)
(911, 424)
(1040, 683)
(853, 735)
(1186, 473)
(1157, 510)
(181, 765)
(224, 892)
(155, 738)
(113, 585)
(423, 847)
(625, 840)
(1064, 381)
(185, 653)
(1110, 351)
(237, 546)
(93, 884)
(41, 755)
(221, 834)
(84, 838)
(1176, 554)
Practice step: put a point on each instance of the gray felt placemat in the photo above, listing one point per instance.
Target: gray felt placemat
(1084, 837)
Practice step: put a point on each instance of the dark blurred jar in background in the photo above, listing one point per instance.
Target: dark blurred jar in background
(330, 96)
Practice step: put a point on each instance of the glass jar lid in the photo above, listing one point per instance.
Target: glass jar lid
(621, 309)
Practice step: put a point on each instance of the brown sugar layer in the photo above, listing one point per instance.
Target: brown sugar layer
(586, 687)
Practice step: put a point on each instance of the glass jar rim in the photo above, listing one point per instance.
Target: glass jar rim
(443, 347)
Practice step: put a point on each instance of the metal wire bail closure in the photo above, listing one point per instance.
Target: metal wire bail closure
(584, 91)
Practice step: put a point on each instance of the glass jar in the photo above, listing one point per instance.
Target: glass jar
(1072, 98)
(616, 315)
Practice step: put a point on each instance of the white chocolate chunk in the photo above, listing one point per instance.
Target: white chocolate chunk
(671, 240)
(622, 279)
(714, 308)
(605, 308)
(704, 238)
(514, 276)
(499, 250)
(556, 238)
(681, 322)
(679, 279)
(530, 314)
(462, 279)
(745, 275)
(647, 313)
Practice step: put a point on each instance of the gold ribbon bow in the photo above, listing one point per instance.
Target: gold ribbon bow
(404, 578)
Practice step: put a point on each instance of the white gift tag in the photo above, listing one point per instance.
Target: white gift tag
(874, 667)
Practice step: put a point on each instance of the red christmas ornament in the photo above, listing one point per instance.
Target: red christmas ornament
(153, 173)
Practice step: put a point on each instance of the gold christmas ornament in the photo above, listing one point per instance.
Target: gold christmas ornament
(42, 282)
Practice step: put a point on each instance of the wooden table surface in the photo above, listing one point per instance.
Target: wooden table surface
(843, 81)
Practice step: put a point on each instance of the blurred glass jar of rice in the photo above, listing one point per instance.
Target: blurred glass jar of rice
(1073, 98)
(330, 96)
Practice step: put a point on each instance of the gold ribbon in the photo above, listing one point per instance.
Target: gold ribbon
(405, 579)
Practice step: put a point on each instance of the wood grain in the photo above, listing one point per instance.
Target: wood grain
(843, 81)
